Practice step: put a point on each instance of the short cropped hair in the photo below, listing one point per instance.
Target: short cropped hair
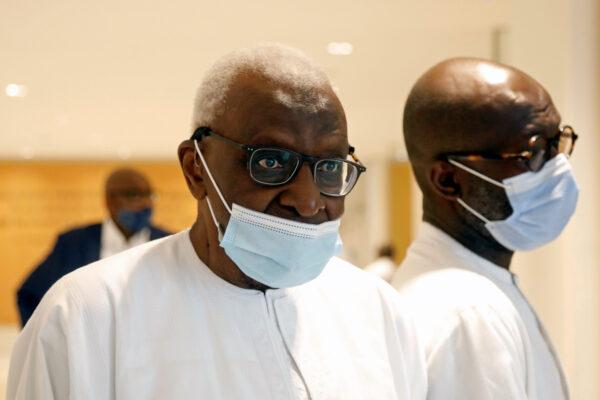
(296, 77)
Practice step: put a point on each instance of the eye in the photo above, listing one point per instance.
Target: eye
(270, 163)
(329, 166)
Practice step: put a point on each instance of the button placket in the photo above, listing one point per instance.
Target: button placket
(277, 353)
(314, 378)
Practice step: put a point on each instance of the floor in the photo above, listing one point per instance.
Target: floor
(8, 335)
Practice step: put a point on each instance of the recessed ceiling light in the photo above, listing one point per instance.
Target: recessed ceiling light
(340, 48)
(15, 90)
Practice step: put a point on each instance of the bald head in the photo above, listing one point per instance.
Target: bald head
(464, 105)
(125, 179)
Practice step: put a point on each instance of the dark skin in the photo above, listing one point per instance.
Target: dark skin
(126, 189)
(253, 116)
(473, 106)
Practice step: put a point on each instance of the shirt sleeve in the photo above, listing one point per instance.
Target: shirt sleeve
(479, 356)
(61, 353)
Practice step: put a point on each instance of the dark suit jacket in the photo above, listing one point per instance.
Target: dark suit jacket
(73, 249)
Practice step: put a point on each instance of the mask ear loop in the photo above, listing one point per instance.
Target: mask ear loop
(472, 211)
(477, 173)
(481, 176)
(212, 213)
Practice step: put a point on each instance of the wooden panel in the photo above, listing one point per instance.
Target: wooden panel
(400, 207)
(40, 199)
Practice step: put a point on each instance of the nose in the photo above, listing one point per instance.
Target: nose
(302, 194)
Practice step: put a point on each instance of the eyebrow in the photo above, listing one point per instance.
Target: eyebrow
(286, 141)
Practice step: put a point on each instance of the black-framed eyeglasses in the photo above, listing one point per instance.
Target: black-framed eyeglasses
(274, 166)
(540, 150)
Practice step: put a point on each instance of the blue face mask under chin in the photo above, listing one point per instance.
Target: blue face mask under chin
(274, 251)
(542, 202)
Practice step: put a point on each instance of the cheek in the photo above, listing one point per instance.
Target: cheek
(505, 170)
(249, 194)
(334, 206)
(489, 200)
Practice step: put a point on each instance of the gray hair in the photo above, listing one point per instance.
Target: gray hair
(297, 79)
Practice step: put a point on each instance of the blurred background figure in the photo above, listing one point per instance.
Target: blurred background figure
(129, 202)
(384, 265)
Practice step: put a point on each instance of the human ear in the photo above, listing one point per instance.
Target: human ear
(443, 179)
(192, 169)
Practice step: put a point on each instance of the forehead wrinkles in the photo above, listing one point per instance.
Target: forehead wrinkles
(254, 104)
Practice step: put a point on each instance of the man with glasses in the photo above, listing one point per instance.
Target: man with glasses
(250, 303)
(129, 201)
(491, 158)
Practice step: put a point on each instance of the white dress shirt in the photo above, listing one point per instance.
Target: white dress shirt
(112, 241)
(482, 338)
(154, 322)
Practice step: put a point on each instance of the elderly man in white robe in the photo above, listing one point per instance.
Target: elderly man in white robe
(250, 303)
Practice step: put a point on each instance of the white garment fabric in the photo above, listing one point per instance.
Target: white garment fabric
(482, 338)
(383, 267)
(112, 240)
(155, 323)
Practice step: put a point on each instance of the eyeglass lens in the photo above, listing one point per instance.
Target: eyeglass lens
(276, 166)
(543, 149)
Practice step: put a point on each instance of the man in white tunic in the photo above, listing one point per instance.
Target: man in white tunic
(490, 157)
(250, 303)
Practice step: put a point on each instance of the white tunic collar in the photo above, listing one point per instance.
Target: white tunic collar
(441, 248)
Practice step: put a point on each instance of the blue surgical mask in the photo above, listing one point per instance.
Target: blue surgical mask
(135, 221)
(542, 202)
(274, 251)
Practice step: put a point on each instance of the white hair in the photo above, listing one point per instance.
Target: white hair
(298, 80)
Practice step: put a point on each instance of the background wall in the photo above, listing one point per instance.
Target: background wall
(114, 80)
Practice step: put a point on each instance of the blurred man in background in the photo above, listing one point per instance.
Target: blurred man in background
(491, 158)
(129, 201)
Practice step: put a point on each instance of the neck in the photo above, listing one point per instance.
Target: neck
(472, 238)
(206, 245)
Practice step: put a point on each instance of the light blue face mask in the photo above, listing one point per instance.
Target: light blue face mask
(274, 251)
(542, 202)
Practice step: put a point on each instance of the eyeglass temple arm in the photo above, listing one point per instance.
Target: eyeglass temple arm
(202, 131)
(351, 151)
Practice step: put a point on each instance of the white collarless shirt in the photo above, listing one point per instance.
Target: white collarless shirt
(112, 240)
(482, 338)
(154, 322)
